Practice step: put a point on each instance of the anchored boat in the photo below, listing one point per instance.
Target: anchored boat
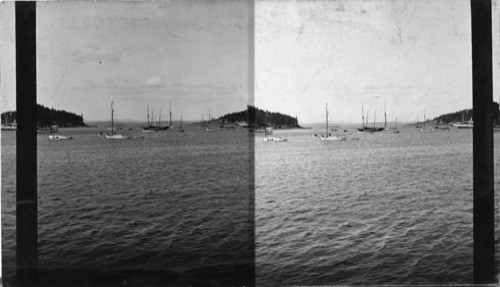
(54, 129)
(60, 137)
(464, 124)
(150, 128)
(210, 129)
(366, 128)
(181, 129)
(328, 136)
(114, 136)
(269, 131)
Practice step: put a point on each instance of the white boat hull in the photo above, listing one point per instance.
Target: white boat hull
(333, 138)
(274, 139)
(117, 137)
(464, 125)
(60, 137)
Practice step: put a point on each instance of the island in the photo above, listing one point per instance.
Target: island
(46, 117)
(467, 114)
(462, 116)
(256, 118)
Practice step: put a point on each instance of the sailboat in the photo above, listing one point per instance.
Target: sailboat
(180, 128)
(209, 129)
(268, 131)
(366, 128)
(465, 124)
(162, 127)
(396, 131)
(58, 137)
(114, 136)
(424, 130)
(438, 127)
(328, 137)
(385, 118)
(170, 123)
(266, 138)
(150, 128)
(53, 129)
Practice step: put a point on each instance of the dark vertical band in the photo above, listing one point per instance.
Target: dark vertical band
(26, 163)
(251, 140)
(482, 99)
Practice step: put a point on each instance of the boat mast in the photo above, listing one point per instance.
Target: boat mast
(181, 121)
(159, 119)
(148, 115)
(374, 117)
(396, 123)
(363, 115)
(209, 117)
(152, 117)
(112, 124)
(170, 114)
(385, 117)
(265, 124)
(367, 118)
(326, 119)
(51, 121)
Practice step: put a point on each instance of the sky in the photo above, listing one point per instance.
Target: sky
(412, 57)
(194, 54)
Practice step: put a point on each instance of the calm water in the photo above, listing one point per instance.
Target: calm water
(177, 209)
(386, 209)
(170, 208)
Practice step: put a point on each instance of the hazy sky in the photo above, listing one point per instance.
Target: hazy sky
(192, 53)
(412, 56)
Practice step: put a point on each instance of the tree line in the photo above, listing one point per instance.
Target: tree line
(46, 117)
(258, 118)
(468, 114)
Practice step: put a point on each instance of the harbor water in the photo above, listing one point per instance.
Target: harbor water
(168, 209)
(385, 209)
(177, 209)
